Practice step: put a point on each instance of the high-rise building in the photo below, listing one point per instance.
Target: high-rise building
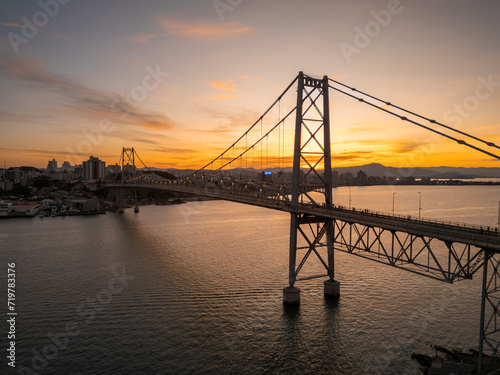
(13, 174)
(66, 167)
(113, 169)
(94, 169)
(52, 166)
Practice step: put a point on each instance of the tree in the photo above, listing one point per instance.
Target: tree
(42, 181)
(20, 190)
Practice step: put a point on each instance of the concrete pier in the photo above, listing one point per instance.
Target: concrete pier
(332, 289)
(291, 295)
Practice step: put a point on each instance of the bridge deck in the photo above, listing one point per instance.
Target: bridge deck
(464, 234)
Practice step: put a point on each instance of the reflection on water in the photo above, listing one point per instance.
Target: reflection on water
(206, 292)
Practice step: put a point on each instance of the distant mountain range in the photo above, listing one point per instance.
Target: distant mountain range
(376, 169)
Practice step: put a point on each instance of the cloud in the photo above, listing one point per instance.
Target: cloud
(203, 30)
(99, 103)
(33, 152)
(42, 154)
(154, 125)
(352, 156)
(488, 127)
(223, 85)
(143, 38)
(226, 97)
(10, 24)
(402, 147)
(176, 150)
(211, 131)
(226, 120)
(227, 86)
(26, 117)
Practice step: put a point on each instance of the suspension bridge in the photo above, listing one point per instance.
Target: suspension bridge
(242, 173)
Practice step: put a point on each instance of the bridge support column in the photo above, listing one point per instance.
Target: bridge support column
(332, 289)
(311, 172)
(489, 330)
(291, 295)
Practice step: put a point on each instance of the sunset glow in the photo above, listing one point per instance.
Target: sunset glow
(180, 82)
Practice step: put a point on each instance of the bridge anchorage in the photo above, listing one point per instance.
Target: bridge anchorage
(446, 252)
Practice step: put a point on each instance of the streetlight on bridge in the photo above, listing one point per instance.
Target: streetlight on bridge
(393, 195)
(349, 197)
(419, 204)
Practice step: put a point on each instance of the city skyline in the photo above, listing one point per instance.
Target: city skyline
(180, 82)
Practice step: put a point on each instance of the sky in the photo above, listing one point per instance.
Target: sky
(181, 80)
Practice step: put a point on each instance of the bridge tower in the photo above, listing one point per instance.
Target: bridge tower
(129, 170)
(311, 183)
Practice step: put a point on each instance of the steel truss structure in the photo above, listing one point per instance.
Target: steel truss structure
(439, 257)
(489, 331)
(429, 256)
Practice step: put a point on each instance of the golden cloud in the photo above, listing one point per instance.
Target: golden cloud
(223, 85)
(142, 38)
(226, 97)
(202, 30)
(10, 24)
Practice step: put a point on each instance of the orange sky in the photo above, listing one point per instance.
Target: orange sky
(180, 82)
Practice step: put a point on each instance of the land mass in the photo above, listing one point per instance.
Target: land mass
(379, 170)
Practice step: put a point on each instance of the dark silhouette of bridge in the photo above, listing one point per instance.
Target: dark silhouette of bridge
(444, 251)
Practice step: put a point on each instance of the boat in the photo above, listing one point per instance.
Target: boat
(19, 209)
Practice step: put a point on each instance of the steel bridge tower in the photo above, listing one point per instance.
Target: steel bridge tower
(129, 171)
(312, 182)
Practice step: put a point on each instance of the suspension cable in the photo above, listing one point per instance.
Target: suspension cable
(491, 144)
(459, 141)
(254, 124)
(265, 135)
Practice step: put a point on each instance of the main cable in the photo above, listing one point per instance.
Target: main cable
(459, 141)
(264, 136)
(254, 124)
(491, 144)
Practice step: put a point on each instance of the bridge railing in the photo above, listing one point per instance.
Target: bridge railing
(466, 230)
(224, 187)
(218, 186)
(400, 217)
